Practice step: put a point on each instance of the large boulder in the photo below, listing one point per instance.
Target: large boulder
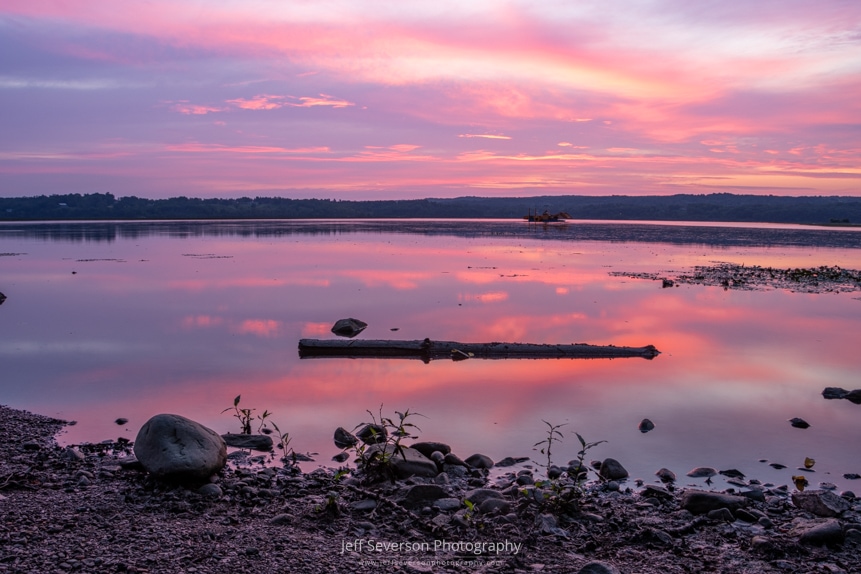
(174, 447)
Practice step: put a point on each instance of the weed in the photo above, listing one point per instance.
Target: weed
(246, 419)
(381, 441)
(553, 435)
(560, 493)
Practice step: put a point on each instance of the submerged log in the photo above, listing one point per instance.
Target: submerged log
(428, 350)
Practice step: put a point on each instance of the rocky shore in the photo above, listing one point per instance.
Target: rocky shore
(91, 508)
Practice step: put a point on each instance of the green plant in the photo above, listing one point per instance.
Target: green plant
(553, 435)
(375, 459)
(246, 416)
(561, 494)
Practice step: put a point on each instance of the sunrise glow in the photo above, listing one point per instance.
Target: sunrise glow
(444, 99)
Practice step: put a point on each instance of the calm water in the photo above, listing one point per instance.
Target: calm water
(107, 320)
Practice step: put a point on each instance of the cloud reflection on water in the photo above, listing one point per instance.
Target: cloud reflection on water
(161, 331)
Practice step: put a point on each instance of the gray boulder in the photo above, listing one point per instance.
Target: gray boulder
(172, 446)
(702, 502)
(820, 502)
(825, 533)
(612, 469)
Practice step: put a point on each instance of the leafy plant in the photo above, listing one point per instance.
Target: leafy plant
(375, 455)
(553, 435)
(246, 416)
(562, 493)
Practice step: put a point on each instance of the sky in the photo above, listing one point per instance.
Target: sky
(377, 99)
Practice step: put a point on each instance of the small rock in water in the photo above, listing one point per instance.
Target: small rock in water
(121, 421)
(702, 472)
(732, 473)
(852, 476)
(834, 393)
(777, 465)
(341, 457)
(666, 475)
(799, 423)
(344, 438)
(373, 434)
(854, 396)
(2, 298)
(348, 327)
(646, 425)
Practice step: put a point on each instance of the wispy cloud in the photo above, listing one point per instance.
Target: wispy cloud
(327, 98)
(486, 136)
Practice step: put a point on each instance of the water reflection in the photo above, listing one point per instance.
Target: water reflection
(183, 317)
(681, 233)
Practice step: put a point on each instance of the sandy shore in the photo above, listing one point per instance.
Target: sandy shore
(79, 510)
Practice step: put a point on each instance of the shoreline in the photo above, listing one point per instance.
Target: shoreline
(79, 510)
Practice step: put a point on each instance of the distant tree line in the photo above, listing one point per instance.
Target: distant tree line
(836, 210)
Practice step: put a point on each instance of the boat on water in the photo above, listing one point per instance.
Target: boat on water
(546, 217)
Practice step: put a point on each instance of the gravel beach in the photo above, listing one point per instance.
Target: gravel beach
(81, 510)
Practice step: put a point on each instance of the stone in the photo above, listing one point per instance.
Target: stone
(666, 475)
(479, 461)
(746, 516)
(834, 393)
(453, 460)
(826, 533)
(701, 501)
(210, 490)
(172, 446)
(344, 438)
(656, 491)
(281, 519)
(437, 457)
(494, 506)
(72, 454)
(820, 502)
(408, 462)
(427, 448)
(373, 434)
(598, 568)
(799, 423)
(365, 505)
(422, 495)
(646, 425)
(341, 457)
(259, 442)
(2, 298)
(702, 472)
(511, 461)
(121, 421)
(854, 396)
(612, 469)
(732, 473)
(722, 514)
(479, 495)
(447, 504)
(348, 327)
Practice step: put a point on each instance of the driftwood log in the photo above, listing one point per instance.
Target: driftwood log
(428, 350)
